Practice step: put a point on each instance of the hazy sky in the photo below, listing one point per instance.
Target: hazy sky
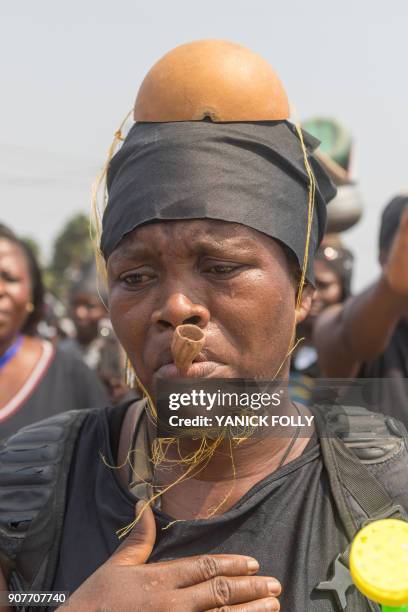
(71, 70)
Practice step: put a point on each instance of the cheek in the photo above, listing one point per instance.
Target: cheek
(334, 294)
(130, 320)
(20, 294)
(258, 317)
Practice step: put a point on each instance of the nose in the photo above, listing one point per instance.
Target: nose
(81, 313)
(178, 310)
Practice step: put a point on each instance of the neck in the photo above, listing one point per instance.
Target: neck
(86, 337)
(216, 485)
(6, 343)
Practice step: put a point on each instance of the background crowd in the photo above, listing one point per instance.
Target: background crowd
(58, 350)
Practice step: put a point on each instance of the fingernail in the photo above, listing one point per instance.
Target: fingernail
(253, 565)
(273, 586)
(272, 605)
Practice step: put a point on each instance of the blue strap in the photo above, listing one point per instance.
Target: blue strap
(11, 351)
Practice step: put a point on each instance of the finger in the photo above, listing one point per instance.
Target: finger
(138, 545)
(194, 570)
(225, 591)
(270, 604)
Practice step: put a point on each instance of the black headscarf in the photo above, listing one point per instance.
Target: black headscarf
(248, 173)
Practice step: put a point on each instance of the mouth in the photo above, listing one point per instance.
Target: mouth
(198, 369)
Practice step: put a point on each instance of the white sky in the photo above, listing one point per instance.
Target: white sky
(71, 70)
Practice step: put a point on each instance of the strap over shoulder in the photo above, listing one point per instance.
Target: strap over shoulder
(366, 459)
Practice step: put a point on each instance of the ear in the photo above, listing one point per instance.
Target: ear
(305, 303)
(382, 257)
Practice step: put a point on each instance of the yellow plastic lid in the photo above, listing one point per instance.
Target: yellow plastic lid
(379, 562)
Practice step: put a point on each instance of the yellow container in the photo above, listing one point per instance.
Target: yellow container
(379, 562)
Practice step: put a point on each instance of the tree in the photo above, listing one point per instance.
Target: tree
(34, 246)
(72, 250)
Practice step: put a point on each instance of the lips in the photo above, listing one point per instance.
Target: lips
(198, 369)
(203, 365)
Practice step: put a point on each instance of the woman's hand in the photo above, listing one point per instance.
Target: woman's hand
(193, 584)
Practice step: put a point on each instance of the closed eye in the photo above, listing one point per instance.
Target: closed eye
(8, 277)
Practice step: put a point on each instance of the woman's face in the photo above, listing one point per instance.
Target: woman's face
(328, 288)
(15, 289)
(233, 282)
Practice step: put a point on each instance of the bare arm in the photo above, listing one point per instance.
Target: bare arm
(348, 334)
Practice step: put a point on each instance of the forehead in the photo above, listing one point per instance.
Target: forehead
(192, 235)
(12, 254)
(324, 272)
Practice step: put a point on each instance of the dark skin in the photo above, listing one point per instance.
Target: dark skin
(238, 286)
(347, 335)
(328, 288)
(231, 281)
(87, 310)
(328, 292)
(15, 300)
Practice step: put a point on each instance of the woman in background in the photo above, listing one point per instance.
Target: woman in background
(36, 380)
(333, 267)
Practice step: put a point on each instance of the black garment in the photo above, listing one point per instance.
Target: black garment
(67, 384)
(251, 173)
(287, 521)
(388, 393)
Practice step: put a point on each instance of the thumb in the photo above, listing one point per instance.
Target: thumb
(138, 545)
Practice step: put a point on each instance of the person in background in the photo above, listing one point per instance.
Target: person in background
(367, 336)
(333, 267)
(333, 263)
(234, 274)
(94, 340)
(36, 381)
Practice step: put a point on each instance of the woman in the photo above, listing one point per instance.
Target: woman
(333, 267)
(207, 225)
(35, 380)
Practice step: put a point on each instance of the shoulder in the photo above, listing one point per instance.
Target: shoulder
(34, 469)
(378, 444)
(36, 458)
(35, 463)
(361, 429)
(69, 359)
(44, 434)
(44, 440)
(32, 461)
(85, 380)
